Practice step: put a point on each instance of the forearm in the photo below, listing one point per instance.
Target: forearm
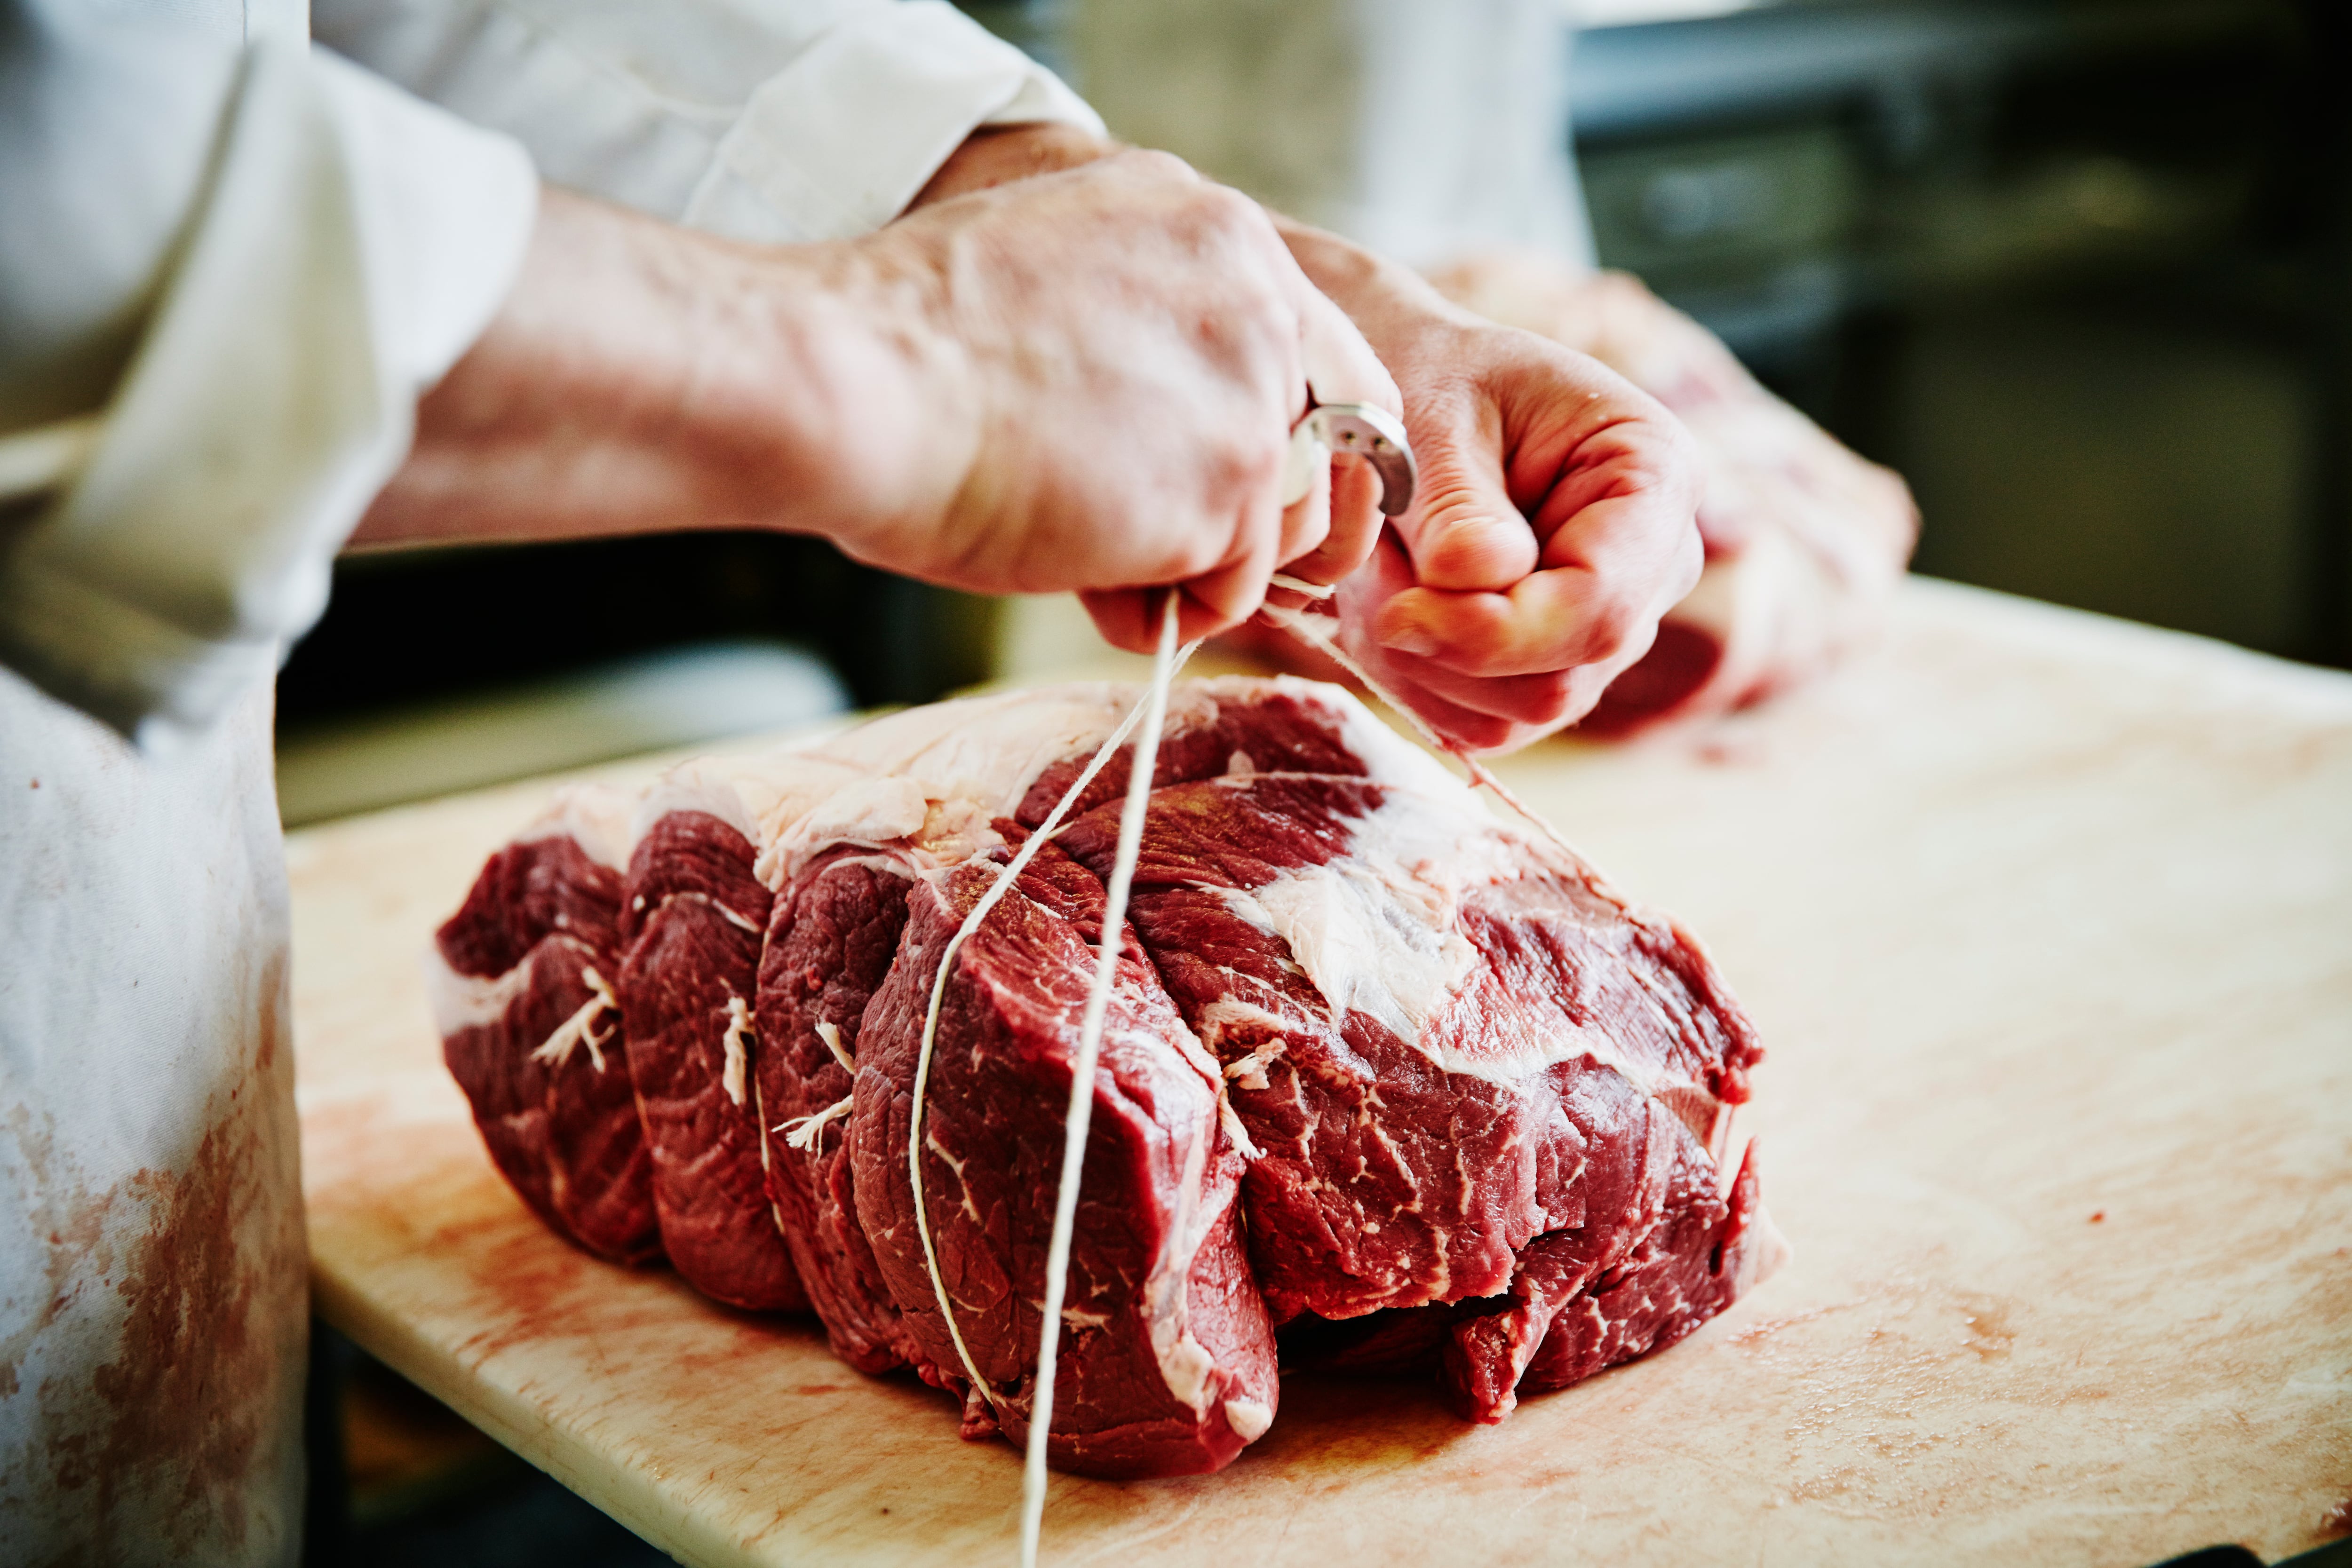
(998, 155)
(1390, 303)
(643, 378)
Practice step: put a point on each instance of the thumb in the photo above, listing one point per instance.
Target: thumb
(1462, 532)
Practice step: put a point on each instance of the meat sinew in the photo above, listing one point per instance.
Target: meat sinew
(1407, 1082)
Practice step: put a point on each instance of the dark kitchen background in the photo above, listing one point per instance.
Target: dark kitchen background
(2082, 272)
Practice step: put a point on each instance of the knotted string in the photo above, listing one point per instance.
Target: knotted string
(1153, 708)
(1082, 1075)
(579, 1028)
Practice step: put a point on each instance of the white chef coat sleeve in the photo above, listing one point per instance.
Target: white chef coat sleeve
(769, 120)
(343, 246)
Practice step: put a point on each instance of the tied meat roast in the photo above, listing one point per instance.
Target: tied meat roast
(1386, 1083)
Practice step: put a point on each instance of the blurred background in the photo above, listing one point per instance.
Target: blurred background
(2081, 271)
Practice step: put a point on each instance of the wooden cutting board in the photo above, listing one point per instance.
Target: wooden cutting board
(2047, 922)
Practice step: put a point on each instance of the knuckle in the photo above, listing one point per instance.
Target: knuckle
(1233, 212)
(1152, 164)
(1610, 621)
(1690, 563)
(1202, 551)
(1243, 469)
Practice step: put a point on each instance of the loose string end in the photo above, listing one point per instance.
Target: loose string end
(1166, 662)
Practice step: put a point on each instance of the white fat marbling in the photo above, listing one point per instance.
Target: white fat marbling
(716, 786)
(592, 816)
(468, 1002)
(1373, 930)
(871, 810)
(1249, 1418)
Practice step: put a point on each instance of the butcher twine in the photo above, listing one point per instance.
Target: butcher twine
(579, 1028)
(1152, 712)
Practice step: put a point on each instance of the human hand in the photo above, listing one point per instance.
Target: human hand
(1552, 529)
(1079, 380)
(1805, 542)
(999, 154)
(1112, 357)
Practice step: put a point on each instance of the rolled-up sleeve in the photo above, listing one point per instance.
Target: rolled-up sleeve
(791, 120)
(342, 244)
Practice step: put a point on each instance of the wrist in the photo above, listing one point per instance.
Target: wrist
(1000, 154)
(642, 377)
(1386, 299)
(884, 408)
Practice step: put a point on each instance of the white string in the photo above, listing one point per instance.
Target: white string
(1163, 673)
(1082, 1078)
(1152, 711)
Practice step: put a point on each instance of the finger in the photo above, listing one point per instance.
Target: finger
(1524, 705)
(1129, 618)
(1307, 522)
(1515, 451)
(1385, 573)
(1224, 598)
(1551, 619)
(1543, 701)
(1465, 726)
(1340, 366)
(1640, 467)
(1462, 532)
(1123, 617)
(1354, 524)
(1561, 616)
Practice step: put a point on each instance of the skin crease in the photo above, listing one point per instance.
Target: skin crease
(1071, 367)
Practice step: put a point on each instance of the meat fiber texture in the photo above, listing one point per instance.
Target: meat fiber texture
(1385, 1083)
(521, 990)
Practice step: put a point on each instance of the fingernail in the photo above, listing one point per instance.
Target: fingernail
(1410, 637)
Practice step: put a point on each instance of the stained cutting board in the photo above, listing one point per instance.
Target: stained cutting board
(2047, 922)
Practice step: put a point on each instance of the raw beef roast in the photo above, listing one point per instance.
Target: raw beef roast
(1406, 1082)
(522, 984)
(693, 917)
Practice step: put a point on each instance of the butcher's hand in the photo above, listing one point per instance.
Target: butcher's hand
(1077, 380)
(1132, 344)
(1553, 527)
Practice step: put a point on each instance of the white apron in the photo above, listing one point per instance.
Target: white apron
(153, 1316)
(247, 260)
